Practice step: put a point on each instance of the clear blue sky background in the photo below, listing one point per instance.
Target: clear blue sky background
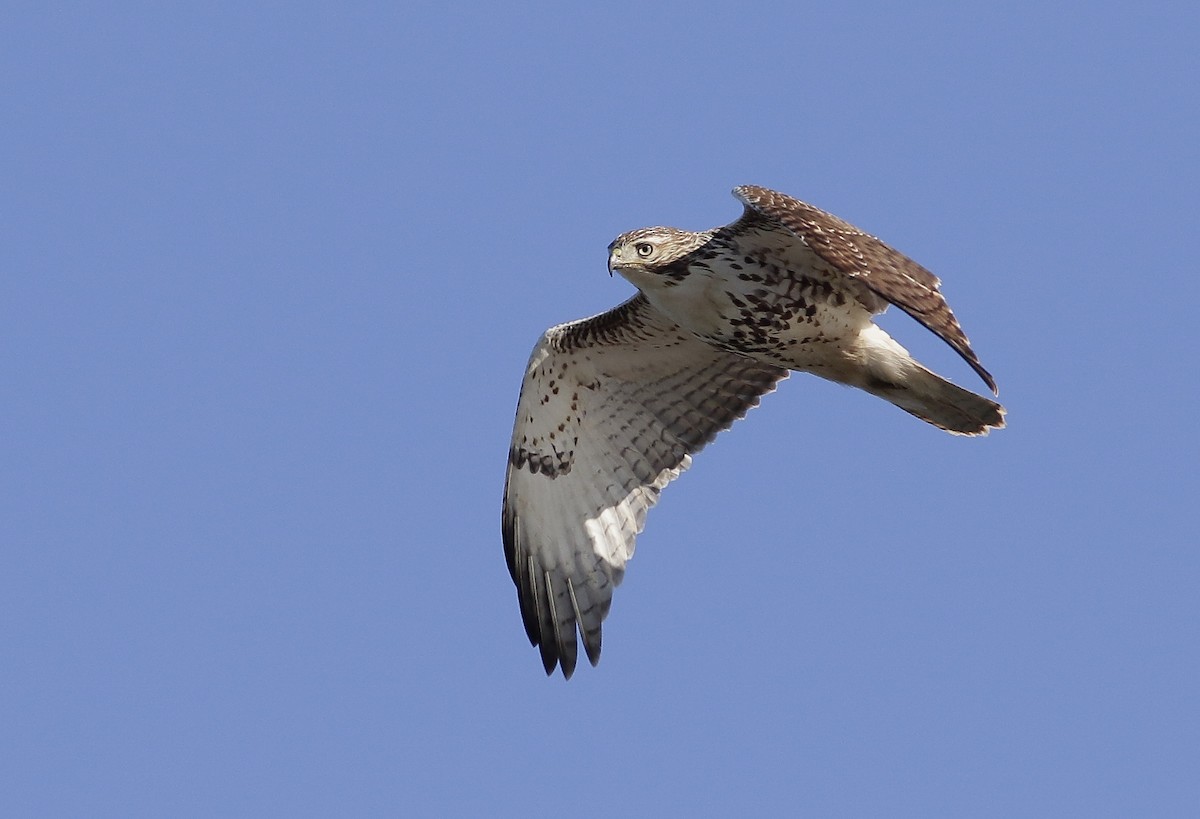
(269, 275)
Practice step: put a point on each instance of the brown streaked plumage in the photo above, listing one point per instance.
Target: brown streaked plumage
(613, 407)
(888, 273)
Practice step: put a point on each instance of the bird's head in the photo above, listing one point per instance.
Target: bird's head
(650, 255)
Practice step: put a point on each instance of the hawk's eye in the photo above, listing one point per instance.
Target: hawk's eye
(644, 249)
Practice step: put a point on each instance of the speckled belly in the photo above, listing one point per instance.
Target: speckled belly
(796, 322)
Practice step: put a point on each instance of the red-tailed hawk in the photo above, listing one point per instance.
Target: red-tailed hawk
(612, 407)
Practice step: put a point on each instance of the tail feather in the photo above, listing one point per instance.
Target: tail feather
(947, 406)
(888, 370)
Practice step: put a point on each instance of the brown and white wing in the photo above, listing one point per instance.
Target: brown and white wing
(611, 409)
(885, 271)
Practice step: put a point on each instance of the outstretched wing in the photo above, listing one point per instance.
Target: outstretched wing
(885, 271)
(611, 409)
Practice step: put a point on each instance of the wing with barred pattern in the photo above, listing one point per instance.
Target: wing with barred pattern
(611, 410)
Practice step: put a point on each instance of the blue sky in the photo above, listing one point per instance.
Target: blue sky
(270, 276)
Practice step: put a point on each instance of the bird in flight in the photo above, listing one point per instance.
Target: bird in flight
(612, 407)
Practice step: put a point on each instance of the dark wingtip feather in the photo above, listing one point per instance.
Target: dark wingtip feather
(591, 638)
(549, 660)
(987, 379)
(544, 623)
(519, 569)
(591, 645)
(561, 640)
(567, 669)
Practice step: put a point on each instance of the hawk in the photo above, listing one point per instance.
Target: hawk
(613, 407)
